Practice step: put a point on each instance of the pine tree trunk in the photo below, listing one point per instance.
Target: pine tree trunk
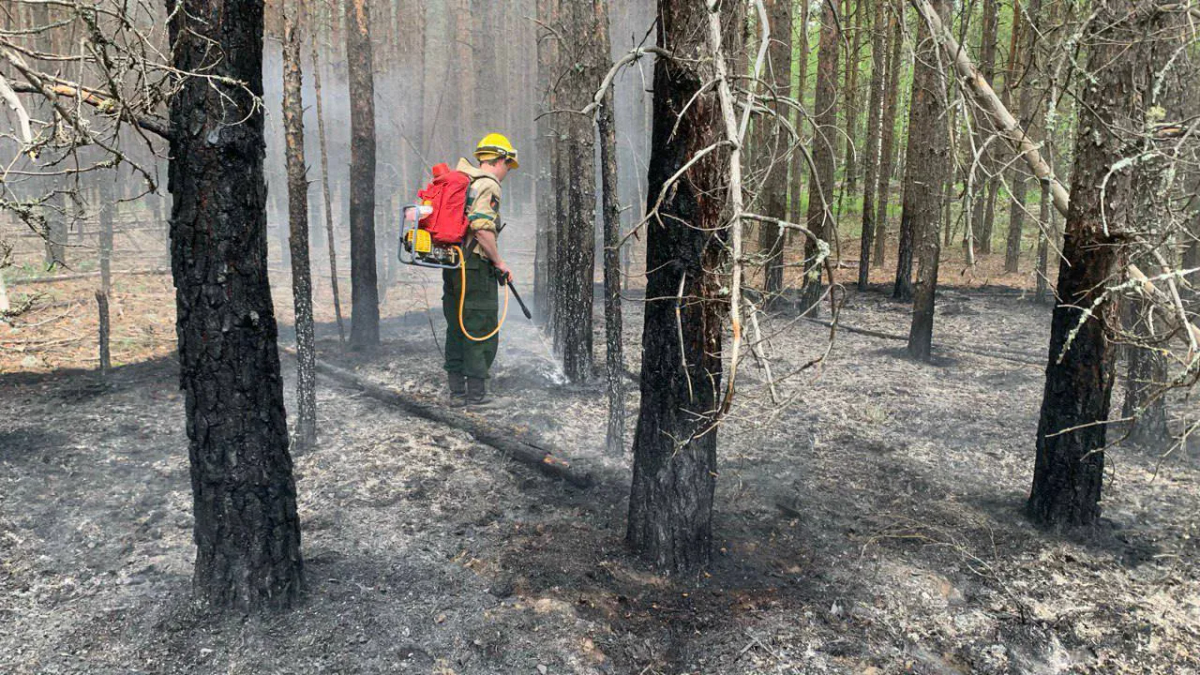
(297, 185)
(821, 183)
(107, 208)
(871, 150)
(982, 192)
(364, 278)
(1072, 433)
(675, 448)
(1041, 294)
(1027, 61)
(887, 141)
(247, 532)
(613, 324)
(924, 182)
(852, 56)
(544, 252)
(577, 262)
(799, 165)
(772, 155)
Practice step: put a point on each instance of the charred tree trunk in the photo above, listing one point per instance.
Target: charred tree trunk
(799, 166)
(852, 55)
(364, 278)
(297, 182)
(871, 150)
(887, 140)
(1025, 112)
(56, 229)
(577, 249)
(675, 446)
(326, 198)
(773, 152)
(108, 204)
(924, 182)
(821, 183)
(613, 323)
(983, 192)
(1072, 432)
(247, 532)
(543, 282)
(1041, 294)
(1148, 373)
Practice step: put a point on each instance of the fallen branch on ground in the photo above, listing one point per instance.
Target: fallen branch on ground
(504, 438)
(82, 275)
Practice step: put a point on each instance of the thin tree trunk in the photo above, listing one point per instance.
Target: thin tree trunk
(821, 184)
(983, 192)
(675, 447)
(4, 304)
(852, 56)
(613, 324)
(546, 58)
(1072, 432)
(108, 204)
(799, 166)
(364, 279)
(246, 530)
(773, 146)
(1041, 294)
(1025, 112)
(871, 151)
(887, 140)
(297, 186)
(924, 182)
(577, 262)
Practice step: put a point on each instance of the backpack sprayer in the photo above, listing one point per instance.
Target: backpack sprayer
(432, 234)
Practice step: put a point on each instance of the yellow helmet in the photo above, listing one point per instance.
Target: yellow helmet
(497, 146)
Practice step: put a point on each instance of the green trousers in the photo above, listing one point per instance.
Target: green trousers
(480, 316)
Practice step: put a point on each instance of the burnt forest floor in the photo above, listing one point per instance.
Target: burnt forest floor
(871, 526)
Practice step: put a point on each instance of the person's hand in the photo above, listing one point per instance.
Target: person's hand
(505, 273)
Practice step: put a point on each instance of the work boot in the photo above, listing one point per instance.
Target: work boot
(477, 395)
(458, 386)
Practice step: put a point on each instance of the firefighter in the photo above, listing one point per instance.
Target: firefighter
(468, 361)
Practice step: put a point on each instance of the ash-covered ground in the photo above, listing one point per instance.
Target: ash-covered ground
(871, 526)
(867, 522)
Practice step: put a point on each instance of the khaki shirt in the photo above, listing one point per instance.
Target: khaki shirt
(483, 201)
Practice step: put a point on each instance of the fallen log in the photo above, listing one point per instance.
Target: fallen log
(997, 352)
(82, 275)
(507, 439)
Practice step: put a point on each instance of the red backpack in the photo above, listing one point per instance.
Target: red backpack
(447, 194)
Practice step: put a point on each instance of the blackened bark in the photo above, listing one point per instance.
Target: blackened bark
(108, 205)
(799, 164)
(576, 270)
(543, 281)
(983, 189)
(246, 529)
(925, 174)
(1025, 112)
(852, 54)
(297, 183)
(821, 183)
(1072, 432)
(675, 446)
(56, 231)
(887, 139)
(871, 150)
(330, 239)
(364, 278)
(613, 323)
(774, 142)
(1041, 294)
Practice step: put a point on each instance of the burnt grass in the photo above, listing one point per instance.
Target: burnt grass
(873, 525)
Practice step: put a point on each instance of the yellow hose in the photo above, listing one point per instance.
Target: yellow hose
(462, 300)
